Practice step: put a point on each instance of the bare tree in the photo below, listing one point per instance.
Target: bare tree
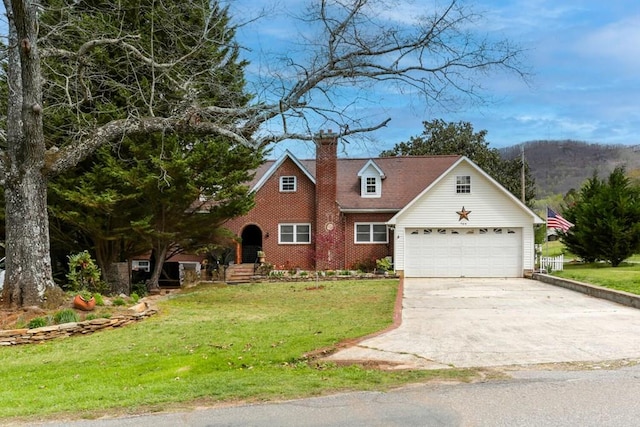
(437, 56)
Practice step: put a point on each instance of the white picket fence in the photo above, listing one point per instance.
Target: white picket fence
(550, 264)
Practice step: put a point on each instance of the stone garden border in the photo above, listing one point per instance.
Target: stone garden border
(37, 335)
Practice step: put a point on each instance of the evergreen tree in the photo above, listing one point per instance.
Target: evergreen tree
(157, 194)
(123, 198)
(440, 137)
(606, 215)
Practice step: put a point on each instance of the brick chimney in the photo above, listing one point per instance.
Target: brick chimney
(328, 227)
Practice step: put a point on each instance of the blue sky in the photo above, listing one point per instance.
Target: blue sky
(584, 56)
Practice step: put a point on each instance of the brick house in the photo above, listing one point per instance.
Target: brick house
(434, 215)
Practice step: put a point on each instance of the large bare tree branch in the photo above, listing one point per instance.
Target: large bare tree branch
(428, 62)
(436, 57)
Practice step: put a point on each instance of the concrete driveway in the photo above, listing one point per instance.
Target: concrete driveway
(497, 322)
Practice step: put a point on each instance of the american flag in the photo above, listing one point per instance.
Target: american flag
(555, 220)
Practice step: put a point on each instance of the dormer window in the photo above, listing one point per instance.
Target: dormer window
(463, 184)
(371, 180)
(288, 184)
(371, 186)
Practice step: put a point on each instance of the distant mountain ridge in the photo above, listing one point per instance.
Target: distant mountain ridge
(559, 166)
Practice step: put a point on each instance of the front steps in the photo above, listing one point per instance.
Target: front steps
(239, 273)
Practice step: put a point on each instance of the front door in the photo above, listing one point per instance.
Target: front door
(251, 243)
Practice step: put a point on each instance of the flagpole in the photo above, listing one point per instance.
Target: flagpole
(546, 230)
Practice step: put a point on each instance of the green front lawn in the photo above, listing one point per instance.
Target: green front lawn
(208, 345)
(556, 248)
(626, 277)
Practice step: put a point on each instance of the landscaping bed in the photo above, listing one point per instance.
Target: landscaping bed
(30, 317)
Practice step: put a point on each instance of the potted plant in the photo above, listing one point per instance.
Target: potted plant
(261, 257)
(84, 301)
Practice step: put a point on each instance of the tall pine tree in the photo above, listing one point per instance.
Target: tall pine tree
(606, 215)
(156, 194)
(138, 195)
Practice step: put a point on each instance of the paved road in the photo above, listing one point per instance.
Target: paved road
(595, 398)
(494, 322)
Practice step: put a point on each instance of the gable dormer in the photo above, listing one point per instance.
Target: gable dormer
(287, 184)
(371, 177)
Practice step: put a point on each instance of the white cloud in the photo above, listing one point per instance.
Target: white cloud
(617, 41)
(585, 56)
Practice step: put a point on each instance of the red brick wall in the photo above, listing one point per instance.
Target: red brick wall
(332, 233)
(273, 207)
(365, 252)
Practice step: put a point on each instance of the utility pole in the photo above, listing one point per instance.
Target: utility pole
(522, 178)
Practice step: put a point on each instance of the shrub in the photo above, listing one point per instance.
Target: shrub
(264, 269)
(140, 289)
(118, 301)
(135, 298)
(37, 322)
(84, 274)
(91, 316)
(99, 299)
(366, 266)
(383, 264)
(66, 315)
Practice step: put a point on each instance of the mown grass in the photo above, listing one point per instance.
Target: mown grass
(556, 248)
(208, 345)
(625, 277)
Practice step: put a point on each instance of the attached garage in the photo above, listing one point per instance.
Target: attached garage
(463, 252)
(464, 224)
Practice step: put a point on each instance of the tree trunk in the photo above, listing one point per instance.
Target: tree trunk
(27, 226)
(158, 256)
(118, 277)
(27, 230)
(107, 254)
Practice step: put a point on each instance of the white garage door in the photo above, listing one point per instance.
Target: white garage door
(463, 252)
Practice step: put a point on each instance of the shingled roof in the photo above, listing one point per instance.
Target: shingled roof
(405, 178)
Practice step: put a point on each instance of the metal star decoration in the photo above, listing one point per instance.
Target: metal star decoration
(464, 214)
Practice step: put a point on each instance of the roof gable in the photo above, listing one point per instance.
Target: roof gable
(274, 167)
(496, 185)
(373, 166)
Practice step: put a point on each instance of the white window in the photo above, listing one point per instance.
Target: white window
(287, 184)
(294, 233)
(371, 186)
(138, 265)
(371, 233)
(463, 184)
